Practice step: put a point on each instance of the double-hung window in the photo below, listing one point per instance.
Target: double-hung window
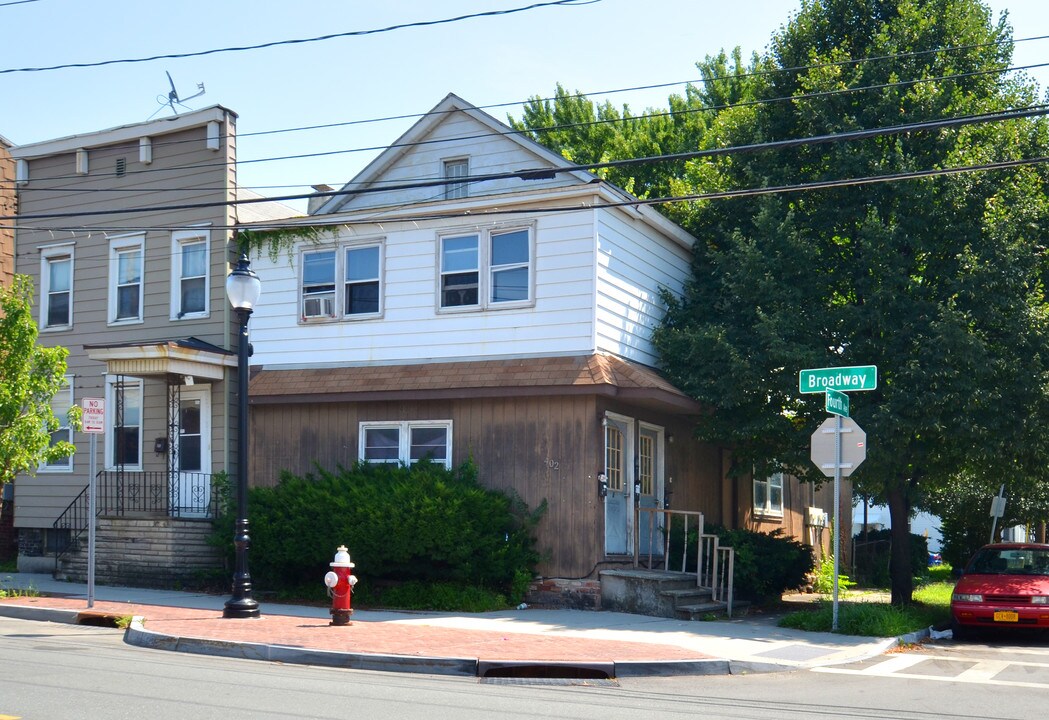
(342, 282)
(406, 442)
(768, 495)
(456, 170)
(60, 405)
(126, 264)
(489, 269)
(124, 442)
(189, 274)
(56, 288)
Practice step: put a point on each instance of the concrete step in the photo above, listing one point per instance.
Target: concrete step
(704, 610)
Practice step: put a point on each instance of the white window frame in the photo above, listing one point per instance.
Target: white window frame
(63, 465)
(769, 509)
(49, 255)
(404, 429)
(340, 283)
(453, 169)
(180, 240)
(117, 247)
(485, 270)
(111, 419)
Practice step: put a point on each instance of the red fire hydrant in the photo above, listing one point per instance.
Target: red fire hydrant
(340, 581)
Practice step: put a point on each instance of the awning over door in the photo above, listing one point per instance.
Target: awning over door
(189, 357)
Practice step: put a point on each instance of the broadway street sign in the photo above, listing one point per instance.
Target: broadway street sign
(842, 379)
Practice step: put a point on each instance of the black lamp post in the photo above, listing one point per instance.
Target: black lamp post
(243, 288)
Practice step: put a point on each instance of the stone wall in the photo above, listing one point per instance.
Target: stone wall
(147, 552)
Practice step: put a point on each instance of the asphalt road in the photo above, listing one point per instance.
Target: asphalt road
(56, 671)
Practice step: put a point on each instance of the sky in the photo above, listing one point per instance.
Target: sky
(604, 45)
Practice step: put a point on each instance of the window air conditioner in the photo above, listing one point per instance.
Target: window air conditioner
(318, 307)
(815, 517)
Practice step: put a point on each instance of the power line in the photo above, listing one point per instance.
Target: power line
(333, 36)
(17, 2)
(546, 173)
(530, 131)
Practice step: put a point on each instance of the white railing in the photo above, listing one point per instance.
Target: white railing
(715, 563)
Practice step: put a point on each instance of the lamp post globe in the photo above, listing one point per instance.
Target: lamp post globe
(243, 288)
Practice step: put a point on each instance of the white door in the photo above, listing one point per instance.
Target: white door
(192, 486)
(619, 464)
(650, 489)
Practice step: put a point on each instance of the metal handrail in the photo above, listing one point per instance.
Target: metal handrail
(668, 518)
(120, 492)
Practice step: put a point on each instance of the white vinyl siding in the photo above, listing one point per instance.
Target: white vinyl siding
(406, 442)
(559, 320)
(126, 266)
(191, 256)
(56, 288)
(632, 268)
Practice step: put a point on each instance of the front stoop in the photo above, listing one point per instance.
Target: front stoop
(658, 593)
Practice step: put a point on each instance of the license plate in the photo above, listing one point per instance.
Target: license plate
(1006, 616)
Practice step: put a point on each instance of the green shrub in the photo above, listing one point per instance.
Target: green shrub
(871, 557)
(421, 523)
(870, 619)
(766, 564)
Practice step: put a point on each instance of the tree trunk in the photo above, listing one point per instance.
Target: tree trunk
(900, 558)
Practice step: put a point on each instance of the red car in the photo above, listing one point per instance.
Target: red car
(1005, 585)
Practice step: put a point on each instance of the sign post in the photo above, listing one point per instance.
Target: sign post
(835, 382)
(94, 424)
(997, 509)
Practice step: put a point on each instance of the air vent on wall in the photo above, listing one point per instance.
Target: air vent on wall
(121, 167)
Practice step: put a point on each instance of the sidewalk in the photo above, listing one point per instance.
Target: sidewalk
(610, 644)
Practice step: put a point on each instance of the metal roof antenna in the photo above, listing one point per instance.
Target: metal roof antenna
(172, 99)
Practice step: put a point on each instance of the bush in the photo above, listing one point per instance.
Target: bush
(871, 557)
(421, 523)
(766, 565)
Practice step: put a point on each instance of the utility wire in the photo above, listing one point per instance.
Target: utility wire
(547, 173)
(529, 131)
(260, 46)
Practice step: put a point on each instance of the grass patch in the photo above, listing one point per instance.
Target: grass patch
(931, 608)
(17, 592)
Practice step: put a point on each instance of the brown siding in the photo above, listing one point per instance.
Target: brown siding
(542, 448)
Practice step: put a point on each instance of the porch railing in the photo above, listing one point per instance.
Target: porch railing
(715, 563)
(122, 493)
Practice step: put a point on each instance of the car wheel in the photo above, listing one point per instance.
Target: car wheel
(960, 632)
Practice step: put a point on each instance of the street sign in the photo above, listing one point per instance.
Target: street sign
(853, 446)
(842, 379)
(94, 416)
(836, 403)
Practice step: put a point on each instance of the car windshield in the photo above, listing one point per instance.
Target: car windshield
(1011, 561)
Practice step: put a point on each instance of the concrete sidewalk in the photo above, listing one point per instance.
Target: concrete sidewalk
(545, 642)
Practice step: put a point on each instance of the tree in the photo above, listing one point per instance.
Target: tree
(30, 376)
(937, 281)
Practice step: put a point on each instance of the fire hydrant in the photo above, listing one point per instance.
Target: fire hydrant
(340, 582)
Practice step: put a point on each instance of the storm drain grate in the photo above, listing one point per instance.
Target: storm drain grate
(584, 682)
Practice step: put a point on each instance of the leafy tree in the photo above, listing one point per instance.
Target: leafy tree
(938, 281)
(30, 375)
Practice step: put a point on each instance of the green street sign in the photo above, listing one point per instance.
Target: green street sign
(837, 403)
(842, 379)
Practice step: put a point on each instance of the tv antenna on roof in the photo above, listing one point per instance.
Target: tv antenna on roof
(172, 98)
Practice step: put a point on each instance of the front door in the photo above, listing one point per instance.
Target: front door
(650, 488)
(619, 462)
(192, 485)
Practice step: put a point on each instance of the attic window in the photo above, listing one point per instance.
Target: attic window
(121, 167)
(454, 170)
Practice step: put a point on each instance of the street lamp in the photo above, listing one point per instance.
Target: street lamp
(243, 288)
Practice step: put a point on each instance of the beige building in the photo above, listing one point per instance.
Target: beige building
(127, 236)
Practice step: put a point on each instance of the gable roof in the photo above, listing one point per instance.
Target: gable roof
(451, 103)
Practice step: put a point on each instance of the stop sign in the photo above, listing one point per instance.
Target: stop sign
(853, 446)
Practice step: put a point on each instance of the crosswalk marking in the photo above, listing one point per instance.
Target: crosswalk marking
(978, 671)
(895, 664)
(981, 671)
